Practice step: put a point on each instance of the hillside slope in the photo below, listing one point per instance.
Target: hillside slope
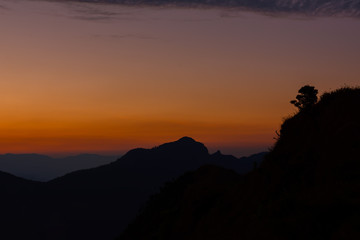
(306, 188)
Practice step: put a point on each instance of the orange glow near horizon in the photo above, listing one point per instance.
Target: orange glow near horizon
(144, 76)
(116, 137)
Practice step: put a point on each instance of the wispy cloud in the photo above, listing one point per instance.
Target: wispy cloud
(89, 12)
(308, 7)
(99, 11)
(124, 36)
(3, 7)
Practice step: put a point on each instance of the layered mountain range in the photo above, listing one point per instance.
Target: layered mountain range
(44, 168)
(99, 203)
(307, 187)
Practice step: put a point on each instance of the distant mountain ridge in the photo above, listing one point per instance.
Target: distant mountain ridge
(310, 7)
(39, 167)
(96, 203)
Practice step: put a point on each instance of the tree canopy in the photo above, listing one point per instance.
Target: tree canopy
(306, 98)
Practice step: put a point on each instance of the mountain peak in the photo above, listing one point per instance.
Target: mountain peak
(184, 145)
(186, 140)
(217, 153)
(184, 148)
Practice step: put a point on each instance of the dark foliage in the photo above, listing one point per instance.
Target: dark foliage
(306, 188)
(306, 98)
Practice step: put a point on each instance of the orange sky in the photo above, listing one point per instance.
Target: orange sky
(146, 76)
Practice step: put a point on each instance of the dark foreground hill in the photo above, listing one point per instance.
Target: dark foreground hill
(12, 184)
(97, 203)
(308, 186)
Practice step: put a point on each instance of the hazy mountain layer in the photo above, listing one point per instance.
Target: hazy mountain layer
(44, 168)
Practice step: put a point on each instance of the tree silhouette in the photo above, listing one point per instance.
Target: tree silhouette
(306, 98)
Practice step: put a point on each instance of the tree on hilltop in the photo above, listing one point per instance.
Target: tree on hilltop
(306, 98)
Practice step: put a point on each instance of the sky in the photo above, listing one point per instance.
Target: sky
(77, 77)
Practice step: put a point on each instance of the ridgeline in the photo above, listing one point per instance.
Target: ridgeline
(308, 186)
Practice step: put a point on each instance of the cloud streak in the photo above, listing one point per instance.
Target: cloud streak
(87, 12)
(124, 36)
(3, 8)
(308, 7)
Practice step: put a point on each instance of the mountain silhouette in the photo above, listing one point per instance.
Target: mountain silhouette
(12, 184)
(306, 188)
(230, 162)
(97, 203)
(44, 168)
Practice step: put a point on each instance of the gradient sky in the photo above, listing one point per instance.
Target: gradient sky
(77, 77)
